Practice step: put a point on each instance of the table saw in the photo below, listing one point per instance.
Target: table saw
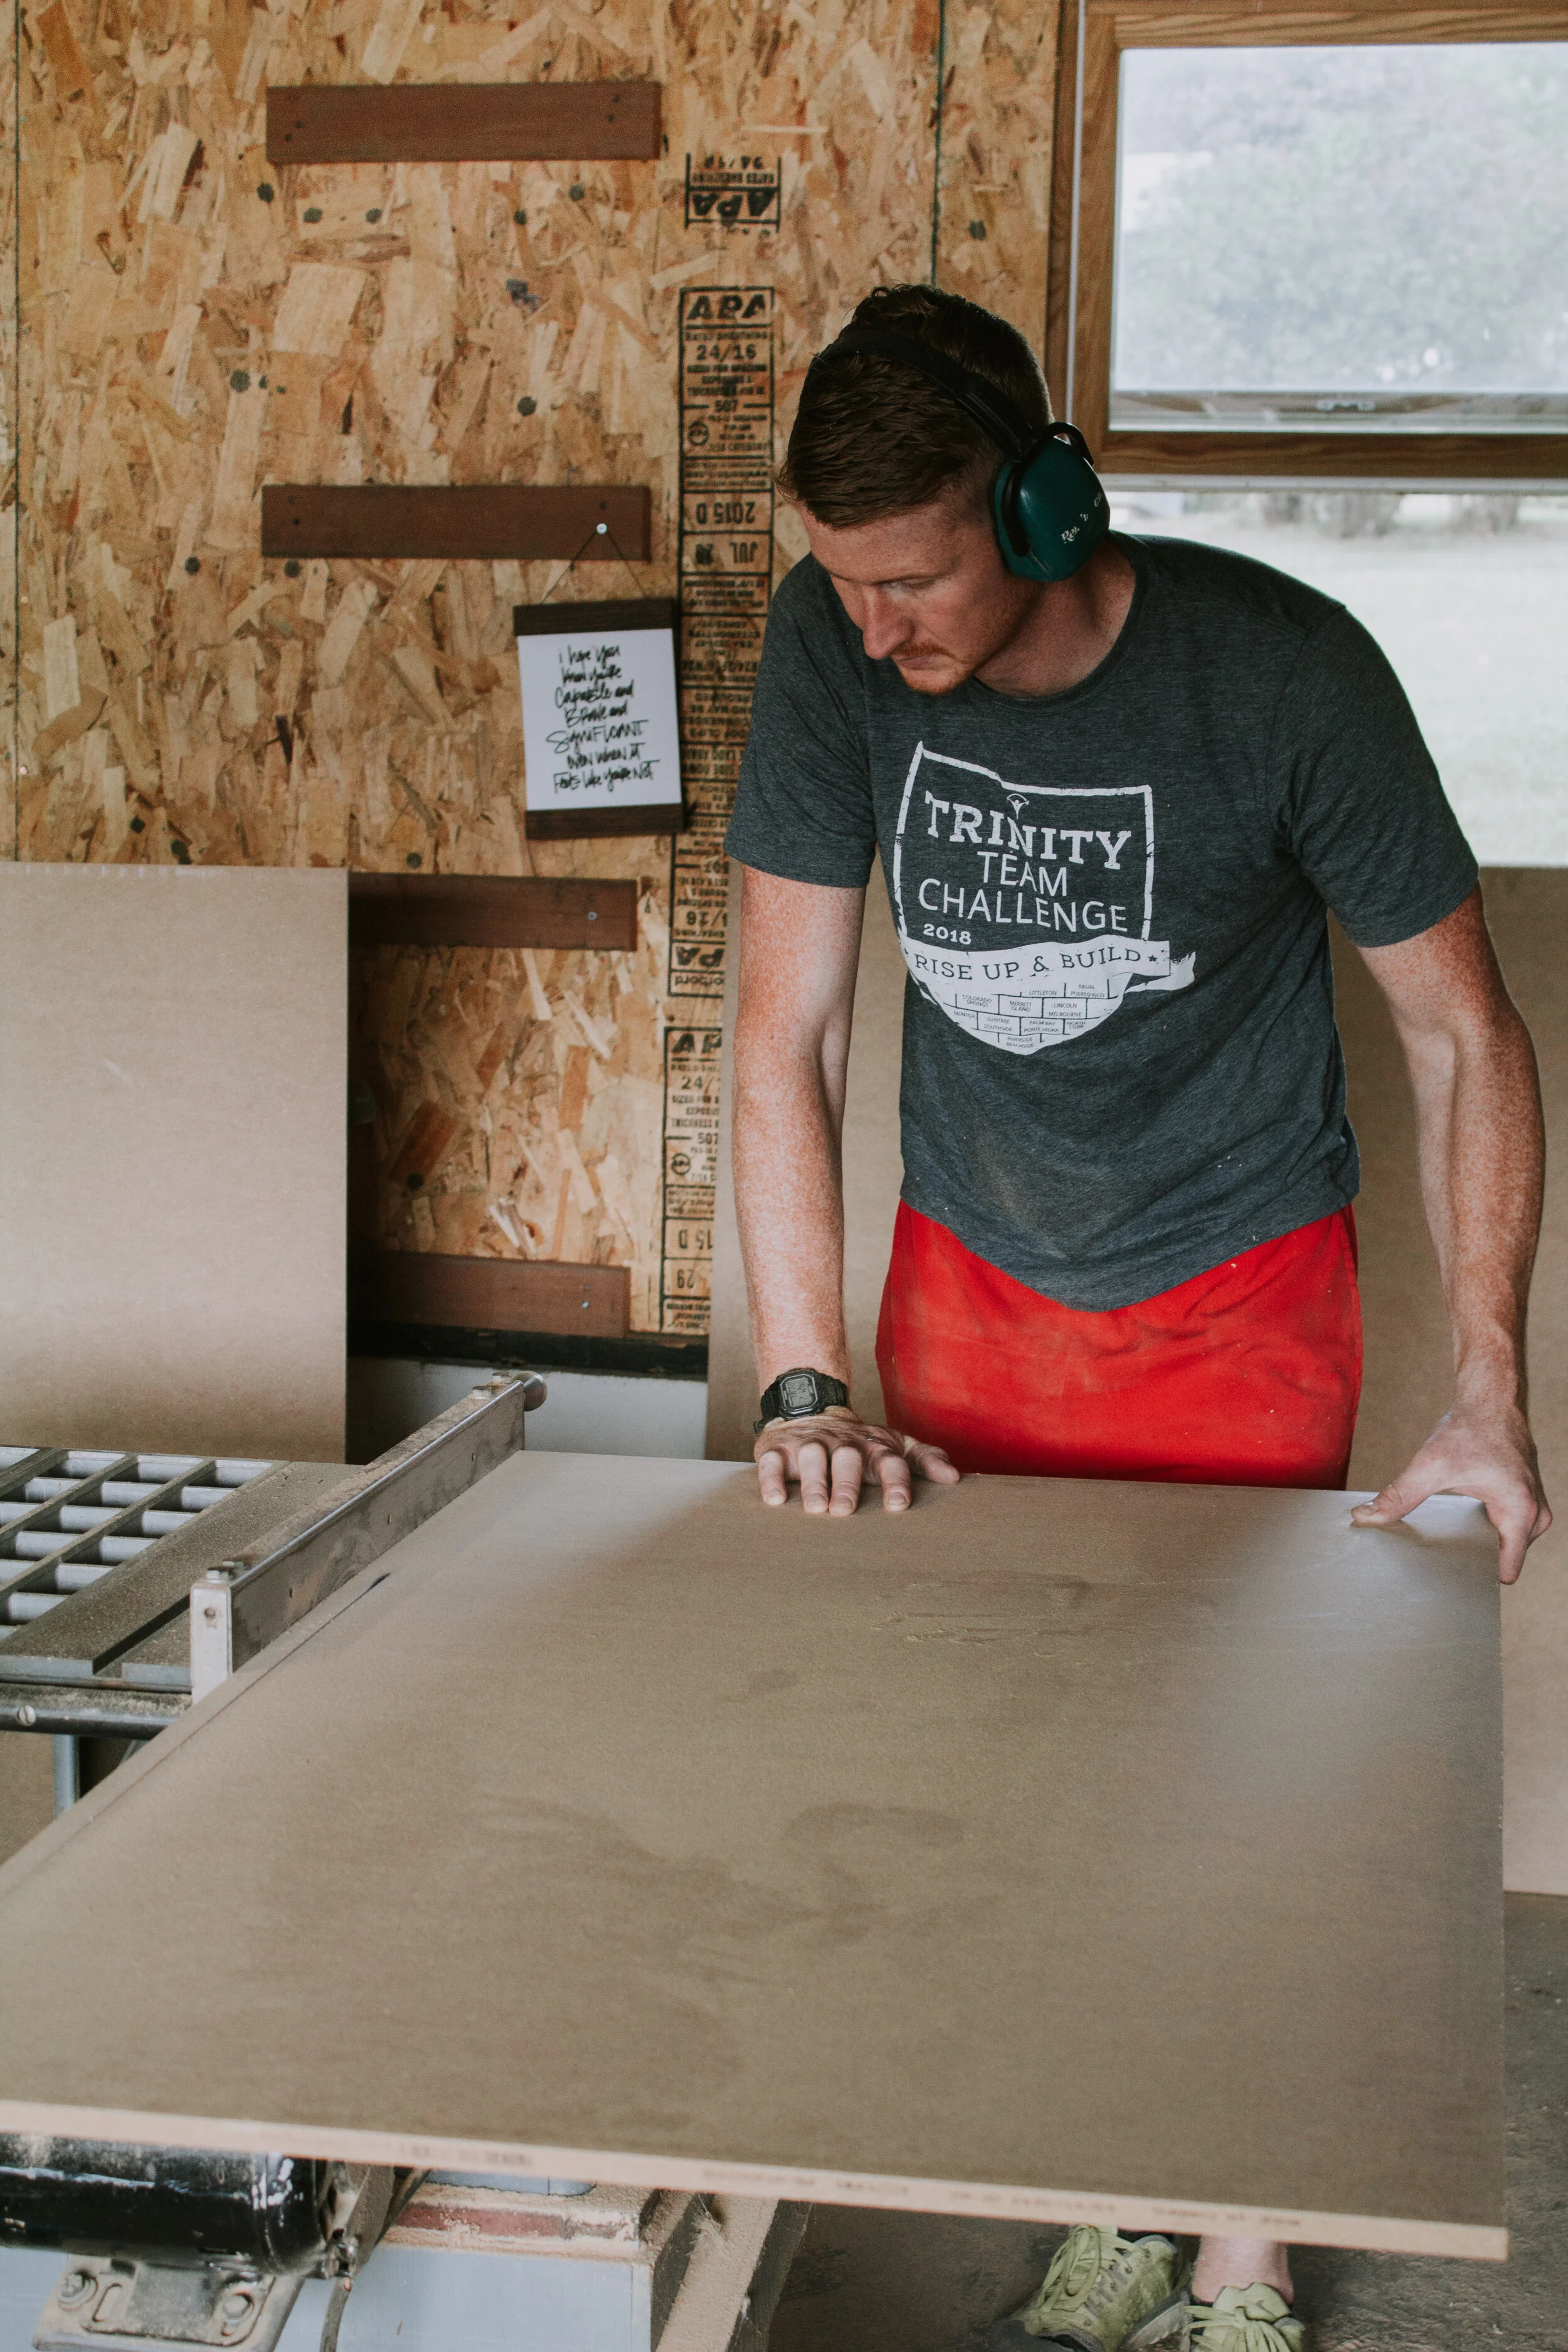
(575, 1818)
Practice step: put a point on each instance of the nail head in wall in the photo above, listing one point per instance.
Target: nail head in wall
(463, 122)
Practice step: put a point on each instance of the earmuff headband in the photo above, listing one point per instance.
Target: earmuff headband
(991, 410)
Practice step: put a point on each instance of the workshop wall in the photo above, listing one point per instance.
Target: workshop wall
(197, 320)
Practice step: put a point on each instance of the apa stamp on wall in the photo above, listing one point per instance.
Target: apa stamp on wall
(738, 191)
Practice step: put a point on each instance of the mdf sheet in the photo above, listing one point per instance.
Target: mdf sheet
(173, 1071)
(1409, 1354)
(1062, 1850)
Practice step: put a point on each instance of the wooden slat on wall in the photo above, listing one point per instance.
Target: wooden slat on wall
(489, 910)
(489, 522)
(504, 122)
(490, 1294)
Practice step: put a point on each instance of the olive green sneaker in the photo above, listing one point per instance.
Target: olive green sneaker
(1101, 2294)
(1243, 2319)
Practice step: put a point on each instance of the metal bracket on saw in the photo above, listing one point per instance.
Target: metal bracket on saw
(123, 2303)
(153, 2299)
(238, 1607)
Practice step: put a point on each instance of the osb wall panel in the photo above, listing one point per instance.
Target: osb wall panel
(994, 170)
(198, 322)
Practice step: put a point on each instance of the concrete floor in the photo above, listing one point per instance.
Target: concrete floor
(909, 2283)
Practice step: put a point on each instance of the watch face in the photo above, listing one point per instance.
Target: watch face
(798, 1390)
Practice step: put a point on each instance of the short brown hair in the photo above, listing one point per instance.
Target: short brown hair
(874, 438)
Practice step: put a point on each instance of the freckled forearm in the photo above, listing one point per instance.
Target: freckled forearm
(1481, 1155)
(790, 1208)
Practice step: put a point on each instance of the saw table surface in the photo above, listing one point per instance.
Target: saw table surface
(1065, 1850)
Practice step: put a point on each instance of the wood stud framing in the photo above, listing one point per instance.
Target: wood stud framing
(1079, 303)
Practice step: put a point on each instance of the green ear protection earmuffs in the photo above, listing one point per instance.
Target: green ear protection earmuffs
(1046, 502)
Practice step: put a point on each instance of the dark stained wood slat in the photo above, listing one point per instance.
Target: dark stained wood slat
(491, 1294)
(491, 910)
(620, 612)
(413, 123)
(592, 825)
(483, 521)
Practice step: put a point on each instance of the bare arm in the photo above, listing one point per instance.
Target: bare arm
(1481, 1150)
(799, 949)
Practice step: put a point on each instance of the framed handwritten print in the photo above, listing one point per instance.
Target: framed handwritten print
(600, 731)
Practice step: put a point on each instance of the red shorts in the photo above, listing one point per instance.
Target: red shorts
(1249, 1375)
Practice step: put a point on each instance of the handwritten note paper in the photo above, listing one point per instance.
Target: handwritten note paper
(600, 732)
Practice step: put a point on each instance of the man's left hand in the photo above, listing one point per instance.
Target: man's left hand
(1487, 1453)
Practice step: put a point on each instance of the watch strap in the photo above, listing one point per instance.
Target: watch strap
(798, 1393)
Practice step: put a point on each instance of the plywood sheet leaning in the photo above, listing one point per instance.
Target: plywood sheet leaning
(1409, 1353)
(836, 1859)
(173, 1066)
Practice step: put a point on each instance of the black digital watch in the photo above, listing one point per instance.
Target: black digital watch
(796, 1394)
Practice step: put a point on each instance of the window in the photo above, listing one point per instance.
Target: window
(1467, 594)
(1276, 257)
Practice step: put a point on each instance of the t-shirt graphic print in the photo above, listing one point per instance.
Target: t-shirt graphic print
(1024, 911)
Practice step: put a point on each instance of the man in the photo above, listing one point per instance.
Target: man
(1112, 810)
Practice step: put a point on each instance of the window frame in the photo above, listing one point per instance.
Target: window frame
(1079, 309)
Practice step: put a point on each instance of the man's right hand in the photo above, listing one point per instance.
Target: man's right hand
(830, 1454)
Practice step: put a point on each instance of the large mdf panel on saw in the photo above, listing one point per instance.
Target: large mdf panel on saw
(172, 1160)
(873, 1171)
(1409, 1357)
(981, 1858)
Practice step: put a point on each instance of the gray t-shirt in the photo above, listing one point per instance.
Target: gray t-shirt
(1120, 1065)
